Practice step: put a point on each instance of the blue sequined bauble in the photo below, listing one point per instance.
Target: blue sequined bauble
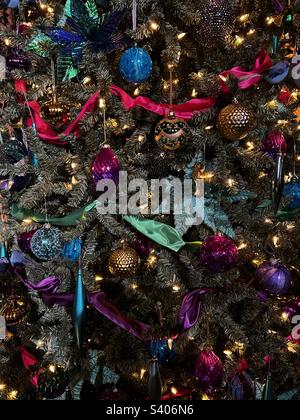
(47, 243)
(292, 190)
(135, 65)
(163, 350)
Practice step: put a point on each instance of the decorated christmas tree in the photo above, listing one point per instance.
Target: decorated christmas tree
(100, 302)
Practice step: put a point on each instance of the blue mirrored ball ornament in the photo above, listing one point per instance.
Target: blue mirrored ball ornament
(292, 190)
(135, 65)
(47, 243)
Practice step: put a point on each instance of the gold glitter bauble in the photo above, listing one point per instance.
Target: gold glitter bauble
(172, 133)
(56, 113)
(15, 311)
(124, 262)
(235, 122)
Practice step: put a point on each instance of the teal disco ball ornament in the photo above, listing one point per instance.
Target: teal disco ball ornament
(135, 65)
(47, 243)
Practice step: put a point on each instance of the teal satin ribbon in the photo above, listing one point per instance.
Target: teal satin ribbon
(71, 219)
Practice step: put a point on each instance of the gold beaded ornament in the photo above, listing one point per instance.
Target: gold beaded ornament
(15, 311)
(235, 122)
(124, 262)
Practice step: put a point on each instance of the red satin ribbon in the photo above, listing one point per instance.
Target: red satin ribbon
(247, 79)
(28, 361)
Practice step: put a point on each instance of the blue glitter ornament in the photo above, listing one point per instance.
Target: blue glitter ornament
(135, 65)
(72, 249)
(163, 350)
(47, 243)
(292, 190)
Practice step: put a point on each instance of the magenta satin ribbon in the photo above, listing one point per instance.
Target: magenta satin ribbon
(46, 132)
(185, 111)
(247, 79)
(28, 362)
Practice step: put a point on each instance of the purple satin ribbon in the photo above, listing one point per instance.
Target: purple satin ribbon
(49, 287)
(279, 8)
(191, 308)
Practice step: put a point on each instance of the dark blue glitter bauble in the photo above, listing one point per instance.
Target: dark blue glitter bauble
(163, 350)
(135, 65)
(292, 190)
(47, 243)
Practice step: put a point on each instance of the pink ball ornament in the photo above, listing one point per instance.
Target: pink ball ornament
(273, 143)
(209, 372)
(273, 278)
(106, 166)
(219, 253)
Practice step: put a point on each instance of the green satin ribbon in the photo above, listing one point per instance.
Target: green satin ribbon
(69, 220)
(162, 234)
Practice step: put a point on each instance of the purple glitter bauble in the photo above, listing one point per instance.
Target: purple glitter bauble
(106, 166)
(273, 278)
(209, 372)
(219, 253)
(142, 245)
(273, 143)
(17, 60)
(24, 241)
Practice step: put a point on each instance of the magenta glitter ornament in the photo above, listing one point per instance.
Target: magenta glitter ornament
(17, 60)
(106, 166)
(219, 253)
(24, 241)
(209, 372)
(273, 143)
(142, 245)
(292, 307)
(273, 278)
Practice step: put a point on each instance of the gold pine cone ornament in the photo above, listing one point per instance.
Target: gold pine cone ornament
(124, 262)
(235, 122)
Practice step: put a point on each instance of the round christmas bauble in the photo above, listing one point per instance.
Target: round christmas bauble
(209, 372)
(219, 253)
(217, 22)
(15, 311)
(135, 65)
(124, 262)
(163, 350)
(106, 166)
(17, 60)
(52, 382)
(273, 278)
(47, 243)
(235, 122)
(292, 307)
(292, 190)
(56, 113)
(24, 241)
(273, 143)
(142, 245)
(172, 133)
